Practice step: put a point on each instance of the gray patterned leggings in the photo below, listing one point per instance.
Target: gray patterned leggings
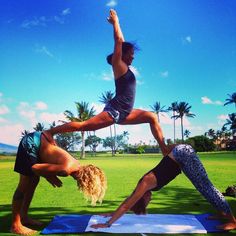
(192, 167)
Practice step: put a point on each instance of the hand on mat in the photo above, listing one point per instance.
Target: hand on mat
(96, 226)
(54, 181)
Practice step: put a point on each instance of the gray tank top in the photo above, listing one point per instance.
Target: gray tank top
(125, 93)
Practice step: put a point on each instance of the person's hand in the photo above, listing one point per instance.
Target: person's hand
(112, 17)
(54, 181)
(101, 225)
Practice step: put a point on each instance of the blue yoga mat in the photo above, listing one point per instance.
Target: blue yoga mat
(130, 223)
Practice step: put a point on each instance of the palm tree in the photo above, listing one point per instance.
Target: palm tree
(105, 98)
(173, 108)
(83, 113)
(39, 127)
(157, 108)
(187, 133)
(183, 109)
(25, 132)
(211, 134)
(231, 99)
(231, 122)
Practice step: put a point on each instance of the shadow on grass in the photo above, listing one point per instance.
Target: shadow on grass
(169, 200)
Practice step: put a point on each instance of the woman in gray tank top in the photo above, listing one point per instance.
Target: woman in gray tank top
(120, 109)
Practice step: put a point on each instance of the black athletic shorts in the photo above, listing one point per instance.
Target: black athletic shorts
(27, 154)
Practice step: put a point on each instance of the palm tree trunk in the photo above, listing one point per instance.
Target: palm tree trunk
(174, 125)
(182, 129)
(114, 138)
(82, 155)
(112, 146)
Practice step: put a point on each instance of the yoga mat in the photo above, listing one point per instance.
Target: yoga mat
(131, 223)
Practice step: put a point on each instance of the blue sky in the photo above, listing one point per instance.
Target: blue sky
(53, 54)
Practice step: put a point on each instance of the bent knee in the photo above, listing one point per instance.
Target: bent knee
(151, 117)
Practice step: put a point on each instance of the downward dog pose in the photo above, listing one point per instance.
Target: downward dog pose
(184, 158)
(120, 109)
(36, 157)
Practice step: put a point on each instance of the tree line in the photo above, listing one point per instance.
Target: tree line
(179, 110)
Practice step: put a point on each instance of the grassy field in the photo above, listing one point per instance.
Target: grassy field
(123, 172)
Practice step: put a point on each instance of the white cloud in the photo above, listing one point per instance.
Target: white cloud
(222, 117)
(206, 100)
(187, 40)
(2, 120)
(111, 3)
(59, 20)
(218, 103)
(66, 12)
(10, 134)
(97, 107)
(41, 21)
(51, 117)
(4, 109)
(44, 21)
(41, 106)
(27, 112)
(164, 74)
(135, 71)
(107, 76)
(44, 50)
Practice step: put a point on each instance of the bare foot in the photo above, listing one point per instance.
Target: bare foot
(32, 222)
(227, 226)
(22, 230)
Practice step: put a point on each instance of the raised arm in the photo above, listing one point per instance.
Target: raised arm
(119, 67)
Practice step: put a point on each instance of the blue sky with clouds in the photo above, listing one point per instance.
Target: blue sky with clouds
(53, 54)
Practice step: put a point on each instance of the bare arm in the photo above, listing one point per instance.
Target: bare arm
(147, 183)
(119, 67)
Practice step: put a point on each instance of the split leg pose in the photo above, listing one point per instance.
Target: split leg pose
(120, 109)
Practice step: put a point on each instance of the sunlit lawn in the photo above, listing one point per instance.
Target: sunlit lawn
(123, 172)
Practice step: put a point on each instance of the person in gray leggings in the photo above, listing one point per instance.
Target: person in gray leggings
(182, 158)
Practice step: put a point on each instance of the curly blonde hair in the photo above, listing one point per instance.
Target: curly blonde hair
(92, 181)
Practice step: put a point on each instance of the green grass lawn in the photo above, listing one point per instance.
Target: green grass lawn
(123, 172)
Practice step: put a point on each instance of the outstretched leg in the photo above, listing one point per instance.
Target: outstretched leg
(138, 116)
(21, 201)
(195, 171)
(99, 121)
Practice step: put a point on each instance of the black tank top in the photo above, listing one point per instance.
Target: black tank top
(125, 93)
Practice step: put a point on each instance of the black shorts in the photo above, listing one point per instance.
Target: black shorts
(27, 154)
(166, 170)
